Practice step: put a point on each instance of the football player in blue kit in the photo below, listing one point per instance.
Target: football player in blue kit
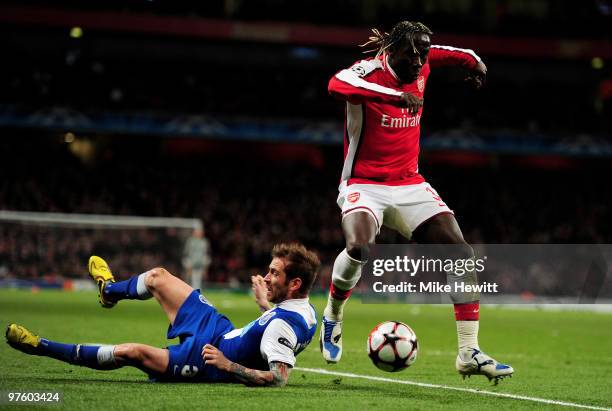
(210, 348)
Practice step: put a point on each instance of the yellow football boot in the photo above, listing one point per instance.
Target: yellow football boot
(102, 275)
(20, 338)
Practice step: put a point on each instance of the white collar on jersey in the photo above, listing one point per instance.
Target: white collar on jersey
(293, 303)
(389, 67)
(302, 307)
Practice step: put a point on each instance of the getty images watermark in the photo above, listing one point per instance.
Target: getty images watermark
(411, 266)
(492, 273)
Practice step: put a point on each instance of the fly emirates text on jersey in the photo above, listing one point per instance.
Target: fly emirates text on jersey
(400, 122)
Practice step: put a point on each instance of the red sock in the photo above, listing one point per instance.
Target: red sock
(338, 294)
(467, 312)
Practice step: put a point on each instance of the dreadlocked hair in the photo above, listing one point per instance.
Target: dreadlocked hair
(383, 41)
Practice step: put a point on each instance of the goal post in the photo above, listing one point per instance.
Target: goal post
(52, 249)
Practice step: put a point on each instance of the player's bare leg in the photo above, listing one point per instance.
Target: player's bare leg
(443, 229)
(360, 233)
(144, 357)
(105, 357)
(170, 291)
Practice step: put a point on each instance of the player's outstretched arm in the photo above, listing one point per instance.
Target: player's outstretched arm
(276, 377)
(260, 291)
(440, 56)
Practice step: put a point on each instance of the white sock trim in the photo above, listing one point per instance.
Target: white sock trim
(467, 334)
(345, 275)
(106, 355)
(347, 271)
(141, 288)
(354, 261)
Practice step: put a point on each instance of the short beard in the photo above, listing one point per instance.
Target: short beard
(282, 296)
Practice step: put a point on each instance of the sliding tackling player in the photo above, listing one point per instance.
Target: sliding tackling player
(262, 353)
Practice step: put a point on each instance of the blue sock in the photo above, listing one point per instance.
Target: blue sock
(59, 351)
(87, 355)
(92, 356)
(130, 289)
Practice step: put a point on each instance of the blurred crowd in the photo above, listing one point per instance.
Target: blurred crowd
(533, 17)
(252, 195)
(50, 253)
(162, 75)
(275, 83)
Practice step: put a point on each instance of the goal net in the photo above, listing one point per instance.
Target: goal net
(52, 249)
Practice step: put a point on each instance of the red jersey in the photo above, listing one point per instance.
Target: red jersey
(381, 139)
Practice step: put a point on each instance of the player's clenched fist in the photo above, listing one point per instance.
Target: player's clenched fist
(213, 356)
(411, 102)
(260, 290)
(478, 75)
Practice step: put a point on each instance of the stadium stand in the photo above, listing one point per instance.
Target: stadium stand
(285, 192)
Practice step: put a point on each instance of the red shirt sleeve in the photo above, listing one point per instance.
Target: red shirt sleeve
(355, 85)
(451, 56)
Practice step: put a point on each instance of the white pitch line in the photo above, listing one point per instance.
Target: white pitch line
(447, 387)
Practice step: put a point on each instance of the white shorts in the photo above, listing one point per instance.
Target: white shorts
(401, 208)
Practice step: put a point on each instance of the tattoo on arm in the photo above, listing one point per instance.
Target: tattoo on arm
(276, 377)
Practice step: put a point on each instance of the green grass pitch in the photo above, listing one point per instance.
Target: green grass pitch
(562, 356)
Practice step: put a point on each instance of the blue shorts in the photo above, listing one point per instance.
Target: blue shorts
(197, 323)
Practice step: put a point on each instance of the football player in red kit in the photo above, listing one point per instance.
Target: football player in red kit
(381, 184)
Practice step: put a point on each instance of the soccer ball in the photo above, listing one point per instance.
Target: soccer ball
(392, 346)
